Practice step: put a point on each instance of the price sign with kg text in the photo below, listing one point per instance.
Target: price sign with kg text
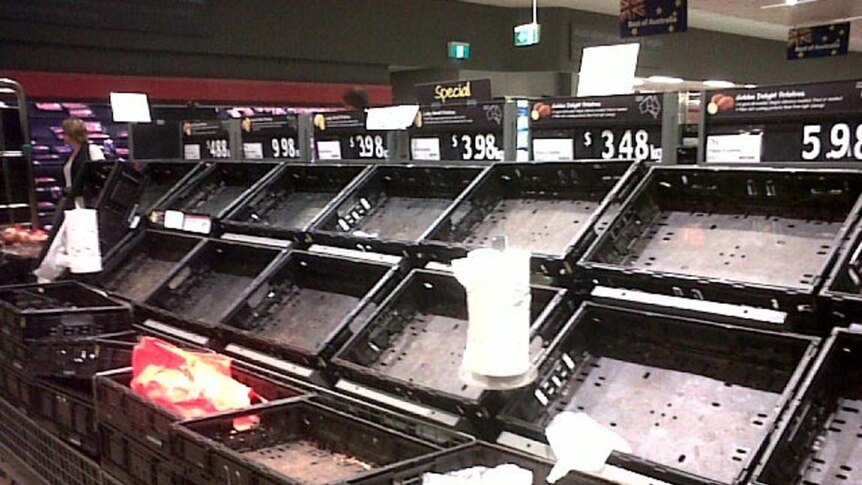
(342, 135)
(808, 122)
(471, 132)
(206, 140)
(270, 137)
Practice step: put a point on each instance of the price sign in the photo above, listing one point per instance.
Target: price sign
(271, 137)
(809, 123)
(463, 132)
(347, 129)
(603, 127)
(206, 139)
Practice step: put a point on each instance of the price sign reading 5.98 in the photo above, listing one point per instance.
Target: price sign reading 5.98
(839, 141)
(618, 144)
(368, 146)
(476, 146)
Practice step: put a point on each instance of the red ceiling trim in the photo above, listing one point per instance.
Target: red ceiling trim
(69, 86)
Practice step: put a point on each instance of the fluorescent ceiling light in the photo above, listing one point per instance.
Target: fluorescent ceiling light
(791, 2)
(718, 84)
(750, 86)
(665, 79)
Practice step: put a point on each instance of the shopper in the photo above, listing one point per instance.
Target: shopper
(356, 98)
(75, 134)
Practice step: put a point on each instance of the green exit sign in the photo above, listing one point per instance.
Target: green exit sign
(459, 50)
(527, 34)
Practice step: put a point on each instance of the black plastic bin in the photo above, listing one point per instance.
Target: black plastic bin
(764, 237)
(820, 441)
(479, 454)
(122, 409)
(298, 443)
(292, 201)
(696, 400)
(212, 279)
(160, 178)
(393, 207)
(550, 209)
(66, 409)
(841, 297)
(142, 263)
(132, 463)
(60, 309)
(412, 346)
(304, 309)
(214, 191)
(70, 357)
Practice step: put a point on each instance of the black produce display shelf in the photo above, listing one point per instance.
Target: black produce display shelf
(764, 237)
(304, 309)
(213, 279)
(300, 442)
(215, 189)
(120, 408)
(695, 400)
(161, 178)
(59, 309)
(412, 346)
(393, 207)
(46, 455)
(479, 454)
(142, 262)
(70, 357)
(820, 439)
(293, 200)
(133, 463)
(841, 297)
(553, 210)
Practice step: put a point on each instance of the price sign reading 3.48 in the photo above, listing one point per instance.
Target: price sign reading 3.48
(477, 146)
(618, 144)
(838, 141)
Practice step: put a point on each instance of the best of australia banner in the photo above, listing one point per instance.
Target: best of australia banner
(818, 41)
(652, 17)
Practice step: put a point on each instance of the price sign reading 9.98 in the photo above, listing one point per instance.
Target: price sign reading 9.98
(284, 147)
(626, 144)
(836, 141)
(475, 146)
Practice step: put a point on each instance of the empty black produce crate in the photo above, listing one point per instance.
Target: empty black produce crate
(841, 298)
(762, 237)
(478, 454)
(48, 456)
(214, 191)
(412, 346)
(393, 207)
(820, 439)
(60, 309)
(66, 408)
(304, 309)
(696, 400)
(142, 263)
(70, 357)
(293, 200)
(549, 209)
(299, 442)
(131, 462)
(123, 409)
(212, 279)
(159, 178)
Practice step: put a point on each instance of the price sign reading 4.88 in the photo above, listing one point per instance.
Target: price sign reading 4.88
(839, 141)
(478, 146)
(368, 146)
(218, 148)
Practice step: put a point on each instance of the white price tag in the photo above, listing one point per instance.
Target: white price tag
(174, 220)
(425, 148)
(744, 148)
(197, 224)
(553, 149)
(252, 151)
(329, 150)
(192, 152)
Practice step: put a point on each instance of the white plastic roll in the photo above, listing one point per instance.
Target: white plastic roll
(498, 303)
(82, 241)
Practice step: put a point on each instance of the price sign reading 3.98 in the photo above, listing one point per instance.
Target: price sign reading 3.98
(368, 146)
(839, 141)
(477, 146)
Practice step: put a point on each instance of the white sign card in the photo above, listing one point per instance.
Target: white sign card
(742, 148)
(553, 149)
(329, 150)
(425, 148)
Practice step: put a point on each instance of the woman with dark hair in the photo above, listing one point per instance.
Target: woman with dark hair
(75, 134)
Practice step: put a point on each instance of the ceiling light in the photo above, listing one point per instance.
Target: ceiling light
(665, 80)
(718, 84)
(750, 86)
(791, 2)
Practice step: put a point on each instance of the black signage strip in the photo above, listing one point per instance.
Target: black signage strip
(213, 139)
(469, 132)
(270, 137)
(785, 102)
(342, 135)
(454, 91)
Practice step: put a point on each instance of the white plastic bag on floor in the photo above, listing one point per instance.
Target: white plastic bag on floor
(507, 474)
(581, 443)
(76, 247)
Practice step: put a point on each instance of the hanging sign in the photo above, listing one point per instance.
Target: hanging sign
(640, 18)
(818, 41)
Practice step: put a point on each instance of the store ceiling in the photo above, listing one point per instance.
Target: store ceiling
(743, 17)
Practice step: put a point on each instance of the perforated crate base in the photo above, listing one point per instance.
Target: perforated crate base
(309, 463)
(544, 226)
(751, 248)
(139, 276)
(298, 209)
(212, 199)
(699, 424)
(402, 218)
(837, 454)
(48, 457)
